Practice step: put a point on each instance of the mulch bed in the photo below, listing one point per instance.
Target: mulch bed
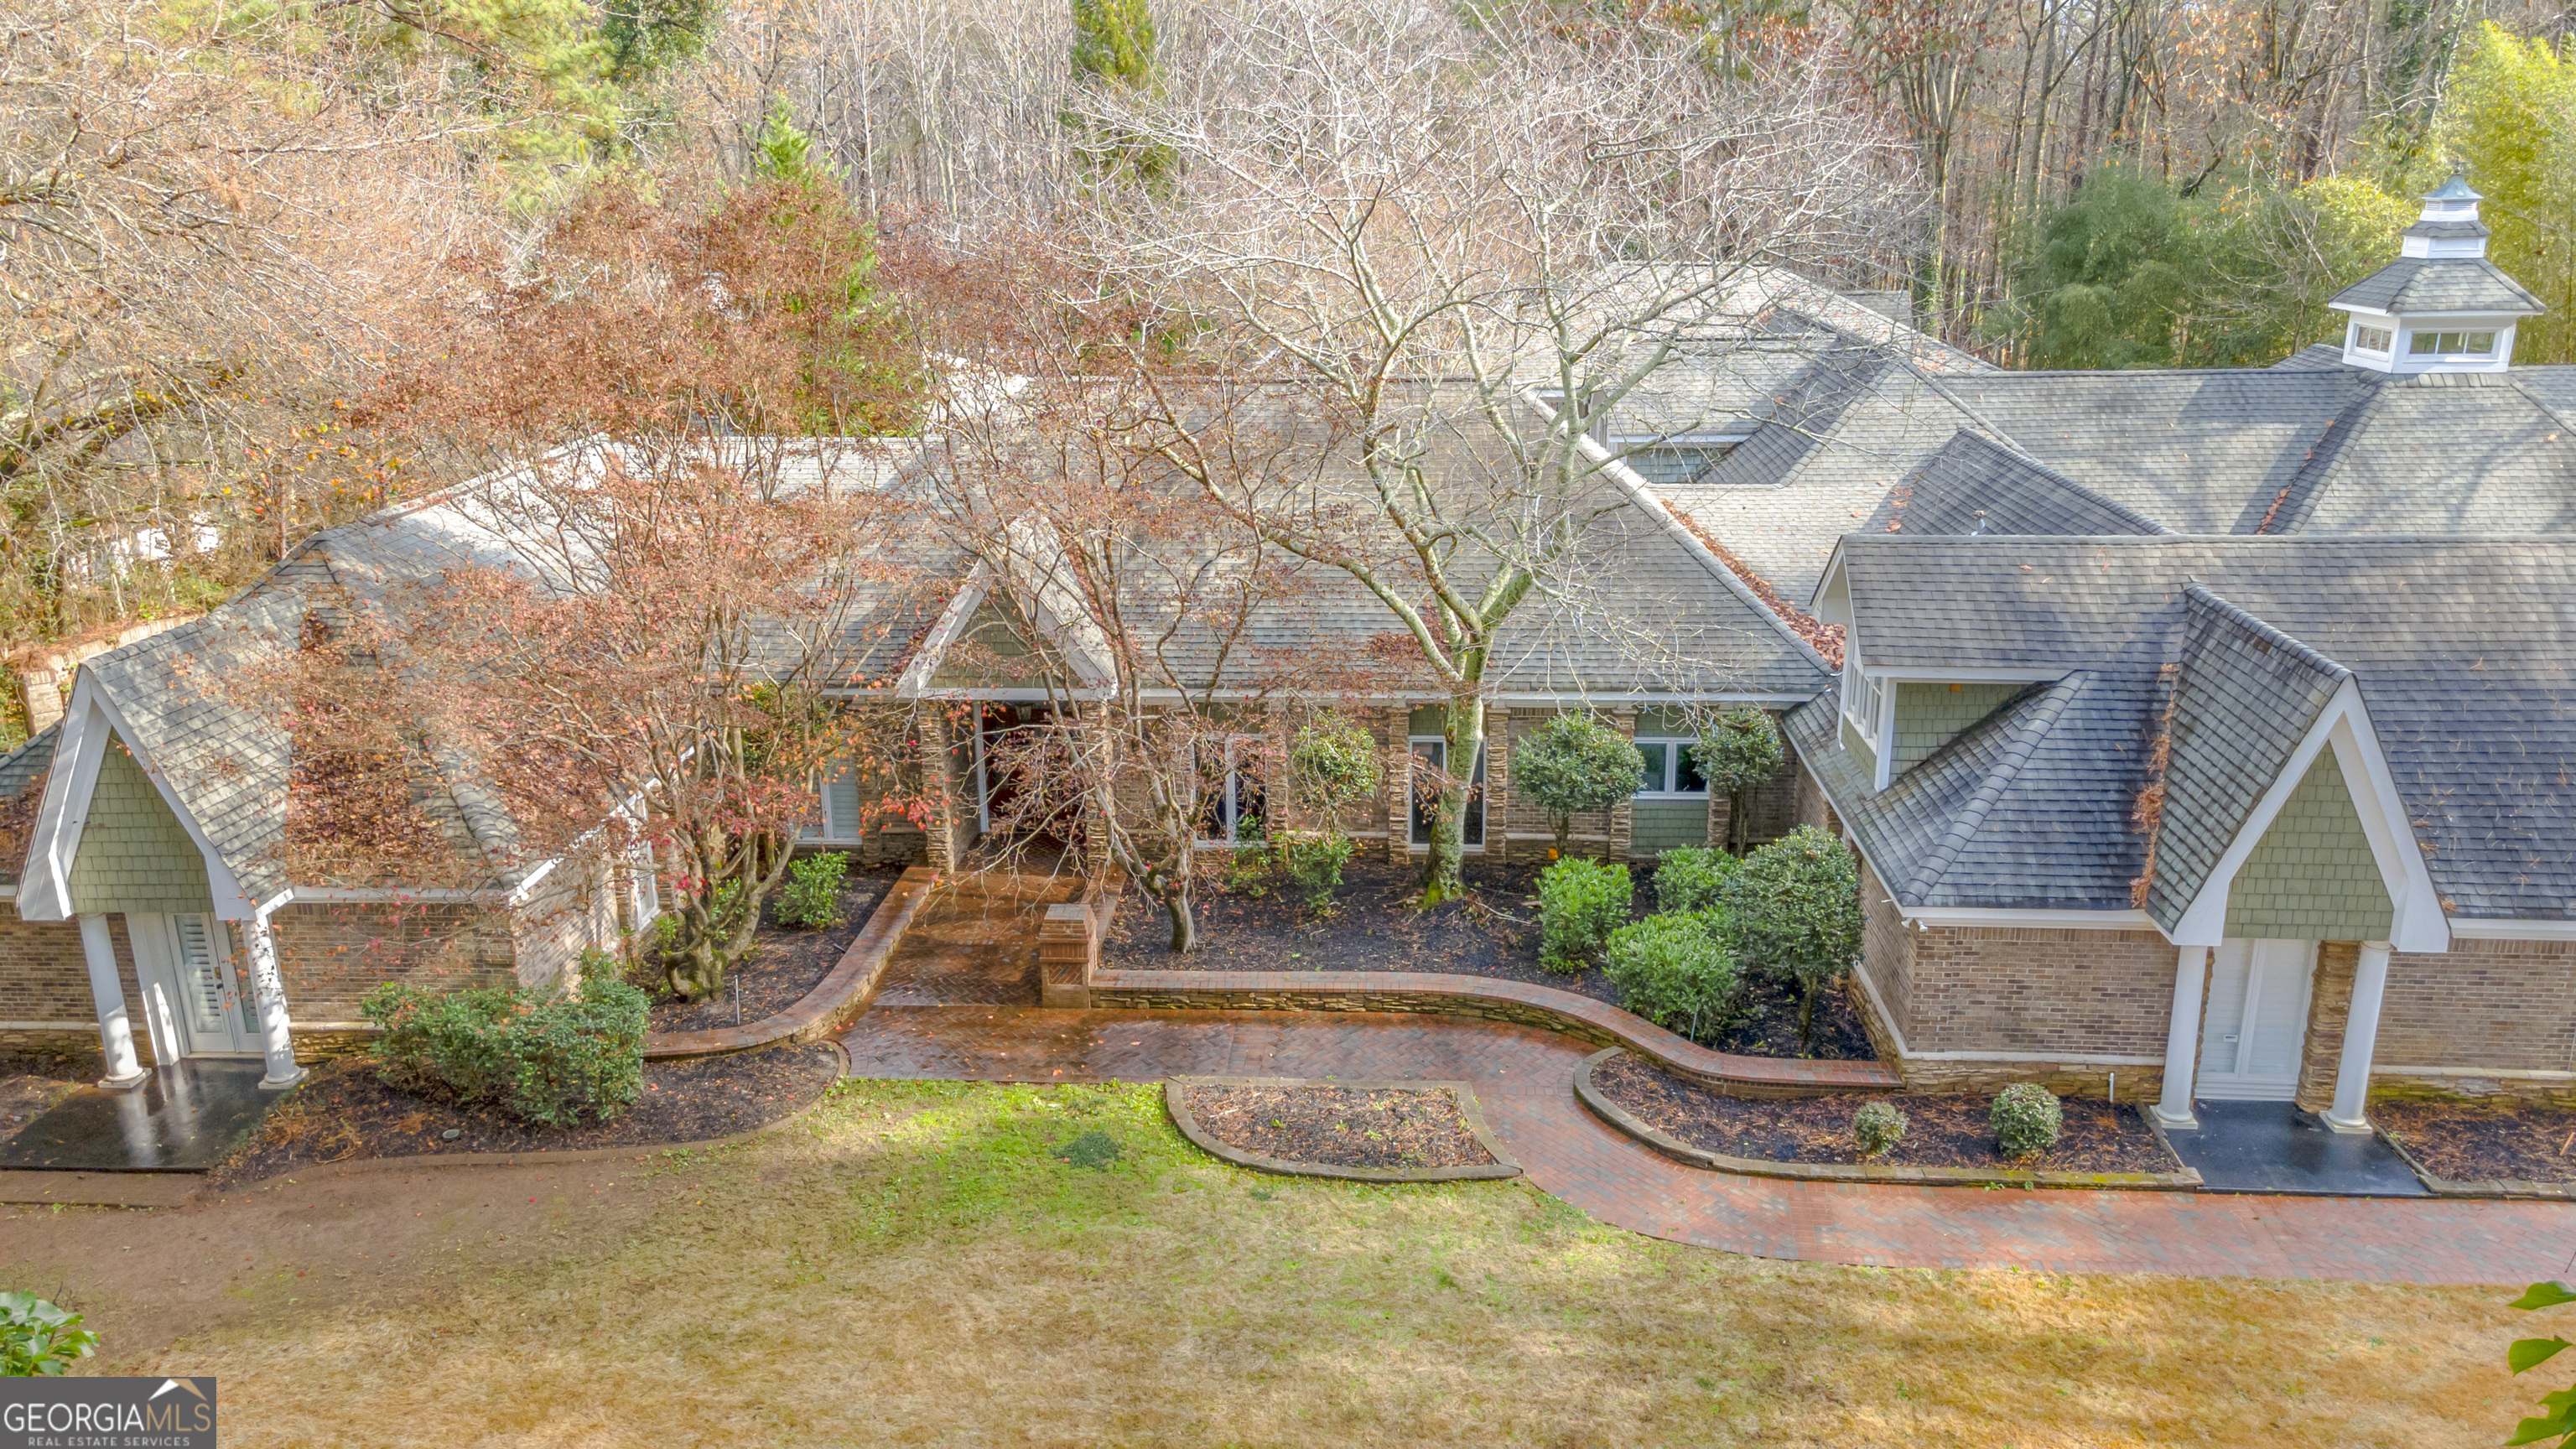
(1940, 1130)
(342, 1112)
(786, 962)
(1341, 1126)
(1494, 936)
(2470, 1143)
(31, 1082)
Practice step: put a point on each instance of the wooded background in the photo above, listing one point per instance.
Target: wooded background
(230, 228)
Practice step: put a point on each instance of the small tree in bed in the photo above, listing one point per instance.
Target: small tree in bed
(1796, 909)
(1738, 751)
(1574, 763)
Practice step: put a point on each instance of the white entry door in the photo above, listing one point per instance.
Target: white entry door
(2257, 1022)
(194, 996)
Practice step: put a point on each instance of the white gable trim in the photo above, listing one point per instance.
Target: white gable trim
(45, 893)
(2418, 924)
(2489, 929)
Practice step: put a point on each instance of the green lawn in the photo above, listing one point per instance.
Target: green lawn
(910, 1265)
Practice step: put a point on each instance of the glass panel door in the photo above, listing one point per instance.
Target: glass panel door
(221, 1015)
(1434, 752)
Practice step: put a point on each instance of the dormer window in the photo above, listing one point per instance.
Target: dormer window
(1863, 699)
(2451, 344)
(1662, 461)
(2370, 339)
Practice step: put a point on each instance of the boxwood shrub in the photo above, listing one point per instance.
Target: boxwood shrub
(1876, 1128)
(546, 1058)
(813, 895)
(1692, 878)
(1673, 970)
(1581, 901)
(2026, 1119)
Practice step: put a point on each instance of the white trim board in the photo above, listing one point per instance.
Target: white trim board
(2495, 930)
(88, 721)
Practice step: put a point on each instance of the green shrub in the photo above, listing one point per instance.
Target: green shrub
(1313, 864)
(1573, 763)
(1876, 1128)
(1580, 903)
(1795, 905)
(1693, 878)
(1332, 766)
(2026, 1119)
(1738, 753)
(39, 1340)
(1673, 970)
(548, 1059)
(813, 895)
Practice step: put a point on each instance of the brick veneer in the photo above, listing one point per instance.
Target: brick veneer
(42, 974)
(2497, 1006)
(332, 955)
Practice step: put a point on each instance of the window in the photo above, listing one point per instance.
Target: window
(1862, 698)
(1664, 461)
(1669, 770)
(2369, 339)
(840, 808)
(1432, 750)
(2451, 344)
(1229, 791)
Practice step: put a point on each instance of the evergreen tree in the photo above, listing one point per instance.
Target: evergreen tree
(2513, 120)
(1113, 51)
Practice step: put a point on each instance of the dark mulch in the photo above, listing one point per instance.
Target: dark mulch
(786, 962)
(1496, 935)
(1341, 1126)
(343, 1112)
(31, 1082)
(2470, 1143)
(1940, 1131)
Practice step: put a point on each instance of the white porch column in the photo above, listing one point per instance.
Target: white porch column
(268, 989)
(115, 1029)
(2182, 1037)
(2360, 1039)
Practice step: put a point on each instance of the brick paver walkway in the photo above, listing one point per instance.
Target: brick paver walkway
(973, 942)
(1524, 1079)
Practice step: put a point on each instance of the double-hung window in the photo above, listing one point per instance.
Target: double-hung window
(1670, 773)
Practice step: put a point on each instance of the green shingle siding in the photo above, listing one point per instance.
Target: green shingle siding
(1859, 750)
(134, 854)
(1660, 825)
(1929, 716)
(985, 653)
(2313, 876)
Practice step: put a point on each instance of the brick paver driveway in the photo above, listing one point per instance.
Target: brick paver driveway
(1524, 1079)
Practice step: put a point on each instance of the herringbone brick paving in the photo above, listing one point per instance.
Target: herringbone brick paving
(1524, 1080)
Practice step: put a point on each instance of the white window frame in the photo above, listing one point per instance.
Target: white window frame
(1230, 799)
(2464, 351)
(1864, 699)
(2363, 332)
(1674, 764)
(833, 830)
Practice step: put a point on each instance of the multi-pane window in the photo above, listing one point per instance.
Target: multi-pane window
(2369, 339)
(2451, 344)
(1667, 461)
(1862, 698)
(1669, 769)
(840, 808)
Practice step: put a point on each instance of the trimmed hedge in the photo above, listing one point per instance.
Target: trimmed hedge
(1693, 878)
(1581, 901)
(1673, 970)
(813, 895)
(543, 1058)
(2026, 1118)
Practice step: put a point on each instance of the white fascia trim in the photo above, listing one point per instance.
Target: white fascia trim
(915, 682)
(1831, 601)
(2418, 924)
(1913, 674)
(2053, 919)
(1535, 701)
(2493, 930)
(45, 889)
(1625, 479)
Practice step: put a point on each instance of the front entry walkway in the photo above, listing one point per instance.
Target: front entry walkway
(1524, 1080)
(184, 1118)
(2275, 1147)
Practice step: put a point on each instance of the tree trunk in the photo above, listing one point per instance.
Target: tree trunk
(1442, 869)
(1185, 925)
(1807, 1017)
(1564, 827)
(1738, 834)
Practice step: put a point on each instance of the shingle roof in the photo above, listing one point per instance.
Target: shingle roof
(2464, 651)
(1974, 486)
(22, 775)
(2440, 284)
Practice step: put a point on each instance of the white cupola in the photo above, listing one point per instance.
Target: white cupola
(2441, 306)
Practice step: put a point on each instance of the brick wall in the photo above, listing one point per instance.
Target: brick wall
(42, 974)
(331, 955)
(2090, 993)
(2500, 1005)
(1886, 954)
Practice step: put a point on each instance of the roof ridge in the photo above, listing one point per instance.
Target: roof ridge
(2317, 471)
(2043, 710)
(2196, 590)
(2110, 505)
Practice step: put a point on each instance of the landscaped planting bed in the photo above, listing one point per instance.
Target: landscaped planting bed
(1941, 1130)
(1340, 1126)
(1496, 936)
(2467, 1142)
(786, 962)
(342, 1112)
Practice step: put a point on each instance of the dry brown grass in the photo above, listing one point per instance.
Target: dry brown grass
(909, 1266)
